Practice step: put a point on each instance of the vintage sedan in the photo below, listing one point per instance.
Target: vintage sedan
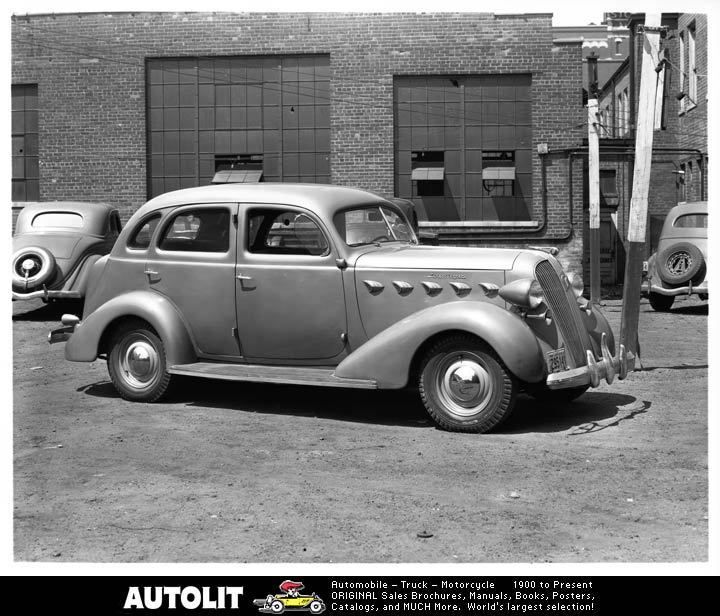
(56, 244)
(679, 265)
(328, 286)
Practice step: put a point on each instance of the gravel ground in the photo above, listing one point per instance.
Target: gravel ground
(256, 473)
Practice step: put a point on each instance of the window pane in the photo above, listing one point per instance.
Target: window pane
(58, 219)
(201, 230)
(141, 238)
(270, 232)
(692, 221)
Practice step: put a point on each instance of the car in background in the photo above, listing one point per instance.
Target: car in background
(679, 266)
(56, 244)
(329, 286)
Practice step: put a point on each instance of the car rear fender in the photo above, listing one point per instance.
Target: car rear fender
(387, 358)
(157, 310)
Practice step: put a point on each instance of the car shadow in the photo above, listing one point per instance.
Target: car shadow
(401, 407)
(52, 311)
(693, 309)
(589, 413)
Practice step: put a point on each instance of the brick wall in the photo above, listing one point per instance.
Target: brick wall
(90, 71)
(692, 124)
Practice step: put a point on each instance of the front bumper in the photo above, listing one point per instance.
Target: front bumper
(689, 289)
(607, 367)
(62, 334)
(46, 294)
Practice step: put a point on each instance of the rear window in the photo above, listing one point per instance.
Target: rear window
(69, 220)
(692, 221)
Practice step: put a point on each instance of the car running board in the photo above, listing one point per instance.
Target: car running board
(288, 375)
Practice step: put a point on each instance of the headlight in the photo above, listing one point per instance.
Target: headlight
(577, 284)
(525, 292)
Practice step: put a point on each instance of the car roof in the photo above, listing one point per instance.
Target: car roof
(81, 207)
(325, 199)
(94, 215)
(696, 207)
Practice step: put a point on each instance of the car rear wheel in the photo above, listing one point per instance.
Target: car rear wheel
(680, 263)
(661, 303)
(277, 607)
(31, 267)
(136, 362)
(465, 386)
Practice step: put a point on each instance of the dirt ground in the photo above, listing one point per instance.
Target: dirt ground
(257, 473)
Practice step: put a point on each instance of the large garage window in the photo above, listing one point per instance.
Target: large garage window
(25, 165)
(482, 125)
(203, 112)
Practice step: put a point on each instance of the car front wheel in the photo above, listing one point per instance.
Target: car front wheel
(136, 362)
(464, 385)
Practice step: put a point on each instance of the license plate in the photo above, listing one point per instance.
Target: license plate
(556, 361)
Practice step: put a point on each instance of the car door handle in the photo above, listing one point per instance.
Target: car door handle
(243, 277)
(152, 275)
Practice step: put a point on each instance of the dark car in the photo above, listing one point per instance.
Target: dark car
(55, 245)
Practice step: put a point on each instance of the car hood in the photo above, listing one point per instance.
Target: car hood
(417, 257)
(395, 281)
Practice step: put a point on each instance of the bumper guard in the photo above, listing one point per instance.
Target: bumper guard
(608, 367)
(62, 334)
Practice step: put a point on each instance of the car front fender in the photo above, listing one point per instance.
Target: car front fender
(154, 308)
(388, 356)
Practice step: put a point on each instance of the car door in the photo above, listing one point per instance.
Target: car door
(289, 289)
(192, 263)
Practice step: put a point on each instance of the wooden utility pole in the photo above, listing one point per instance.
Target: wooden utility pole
(641, 183)
(594, 180)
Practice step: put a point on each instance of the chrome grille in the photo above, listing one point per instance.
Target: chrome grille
(565, 312)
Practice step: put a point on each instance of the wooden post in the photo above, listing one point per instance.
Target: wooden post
(641, 184)
(594, 196)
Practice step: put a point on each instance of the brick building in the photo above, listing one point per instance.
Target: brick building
(680, 153)
(453, 111)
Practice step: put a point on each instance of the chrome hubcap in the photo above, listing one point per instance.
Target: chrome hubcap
(464, 383)
(139, 362)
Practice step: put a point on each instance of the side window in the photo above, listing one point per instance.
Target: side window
(140, 240)
(289, 233)
(200, 230)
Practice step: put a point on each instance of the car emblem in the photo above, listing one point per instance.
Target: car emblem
(565, 281)
(290, 599)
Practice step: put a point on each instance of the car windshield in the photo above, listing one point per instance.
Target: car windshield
(373, 224)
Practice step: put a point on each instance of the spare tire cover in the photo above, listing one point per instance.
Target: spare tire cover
(31, 267)
(680, 262)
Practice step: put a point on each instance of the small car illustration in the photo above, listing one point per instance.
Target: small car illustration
(328, 286)
(680, 264)
(290, 599)
(56, 244)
